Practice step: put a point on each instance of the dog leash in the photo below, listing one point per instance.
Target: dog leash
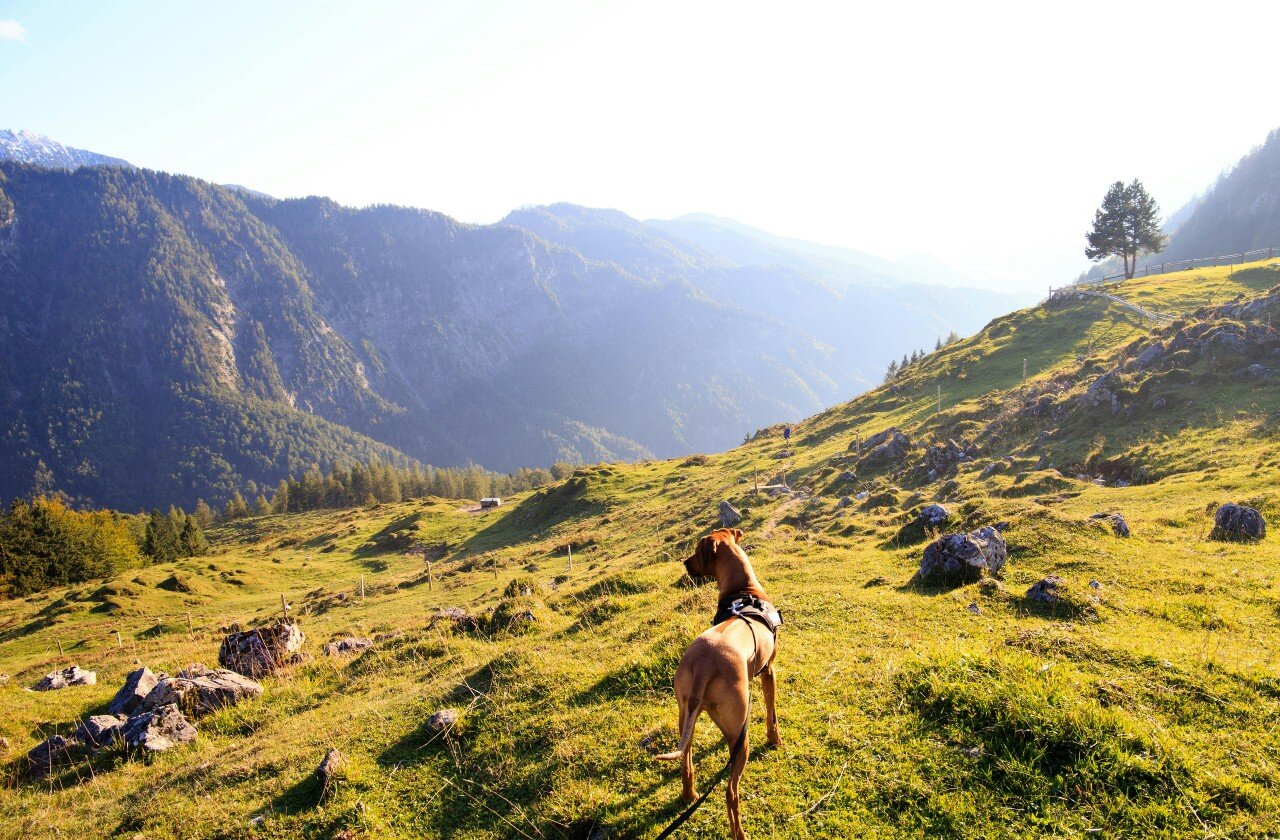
(733, 755)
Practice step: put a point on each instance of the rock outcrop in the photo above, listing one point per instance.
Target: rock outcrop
(729, 515)
(1238, 523)
(137, 685)
(351, 644)
(50, 755)
(158, 730)
(66, 678)
(886, 448)
(931, 516)
(961, 558)
(256, 653)
(198, 690)
(101, 730)
(1048, 591)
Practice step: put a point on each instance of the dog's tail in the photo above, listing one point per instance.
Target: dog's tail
(693, 710)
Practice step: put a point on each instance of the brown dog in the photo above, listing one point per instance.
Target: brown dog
(714, 674)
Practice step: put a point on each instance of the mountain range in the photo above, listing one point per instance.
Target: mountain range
(175, 339)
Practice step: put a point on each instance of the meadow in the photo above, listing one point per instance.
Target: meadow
(1146, 703)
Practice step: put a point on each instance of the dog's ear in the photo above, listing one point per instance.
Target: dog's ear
(737, 534)
(707, 552)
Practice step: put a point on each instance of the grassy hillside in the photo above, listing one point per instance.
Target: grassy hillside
(1149, 704)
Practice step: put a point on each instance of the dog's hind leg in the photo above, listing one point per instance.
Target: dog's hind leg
(769, 685)
(688, 792)
(731, 716)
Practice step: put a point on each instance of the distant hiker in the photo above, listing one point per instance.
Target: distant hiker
(786, 433)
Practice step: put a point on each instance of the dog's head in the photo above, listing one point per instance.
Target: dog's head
(702, 564)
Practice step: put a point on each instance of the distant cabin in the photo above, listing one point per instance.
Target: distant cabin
(491, 502)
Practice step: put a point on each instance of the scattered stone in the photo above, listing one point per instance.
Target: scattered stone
(443, 721)
(4, 679)
(729, 515)
(331, 769)
(1049, 590)
(4, 746)
(844, 502)
(943, 458)
(887, 447)
(958, 558)
(158, 730)
(1255, 371)
(255, 653)
(974, 608)
(49, 755)
(66, 678)
(101, 730)
(198, 690)
(862, 496)
(1159, 402)
(847, 476)
(137, 685)
(1238, 523)
(350, 644)
(933, 515)
(972, 752)
(1100, 393)
(1119, 526)
(1093, 584)
(458, 617)
(784, 453)
(1151, 354)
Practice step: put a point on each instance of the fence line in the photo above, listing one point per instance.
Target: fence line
(1181, 265)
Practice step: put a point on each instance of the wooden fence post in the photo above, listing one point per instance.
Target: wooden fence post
(60, 653)
(570, 547)
(1024, 371)
(362, 583)
(190, 630)
(431, 583)
(939, 398)
(119, 641)
(284, 609)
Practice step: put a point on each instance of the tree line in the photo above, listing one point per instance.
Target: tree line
(896, 368)
(45, 543)
(361, 485)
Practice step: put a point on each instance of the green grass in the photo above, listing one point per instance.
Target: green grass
(1149, 706)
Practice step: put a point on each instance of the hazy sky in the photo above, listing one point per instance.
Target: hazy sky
(983, 133)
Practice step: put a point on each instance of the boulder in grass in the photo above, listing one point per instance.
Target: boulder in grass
(137, 685)
(729, 515)
(1238, 523)
(351, 644)
(51, 754)
(65, 678)
(962, 558)
(1049, 591)
(101, 730)
(198, 690)
(158, 730)
(256, 653)
(443, 721)
(932, 516)
(1119, 526)
(331, 770)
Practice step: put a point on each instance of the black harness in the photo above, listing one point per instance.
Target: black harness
(749, 608)
(753, 611)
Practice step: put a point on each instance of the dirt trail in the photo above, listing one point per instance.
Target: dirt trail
(778, 512)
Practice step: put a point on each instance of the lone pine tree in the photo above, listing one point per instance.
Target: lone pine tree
(1126, 225)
